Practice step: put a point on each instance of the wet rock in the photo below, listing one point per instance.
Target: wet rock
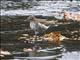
(5, 54)
(27, 50)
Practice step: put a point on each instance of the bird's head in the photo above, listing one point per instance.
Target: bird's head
(31, 18)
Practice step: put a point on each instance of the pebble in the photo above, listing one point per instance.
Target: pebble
(27, 50)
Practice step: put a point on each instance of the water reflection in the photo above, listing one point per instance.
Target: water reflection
(69, 52)
(72, 52)
(74, 55)
(43, 55)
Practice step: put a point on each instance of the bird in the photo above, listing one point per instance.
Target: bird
(36, 26)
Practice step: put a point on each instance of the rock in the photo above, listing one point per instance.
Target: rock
(2, 55)
(25, 35)
(22, 38)
(4, 52)
(27, 50)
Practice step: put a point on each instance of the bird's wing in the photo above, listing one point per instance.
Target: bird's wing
(43, 26)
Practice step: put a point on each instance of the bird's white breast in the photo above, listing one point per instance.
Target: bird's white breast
(33, 25)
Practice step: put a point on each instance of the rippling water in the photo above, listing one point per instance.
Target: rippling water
(46, 8)
(69, 52)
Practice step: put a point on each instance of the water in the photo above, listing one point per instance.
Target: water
(74, 55)
(69, 52)
(46, 8)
